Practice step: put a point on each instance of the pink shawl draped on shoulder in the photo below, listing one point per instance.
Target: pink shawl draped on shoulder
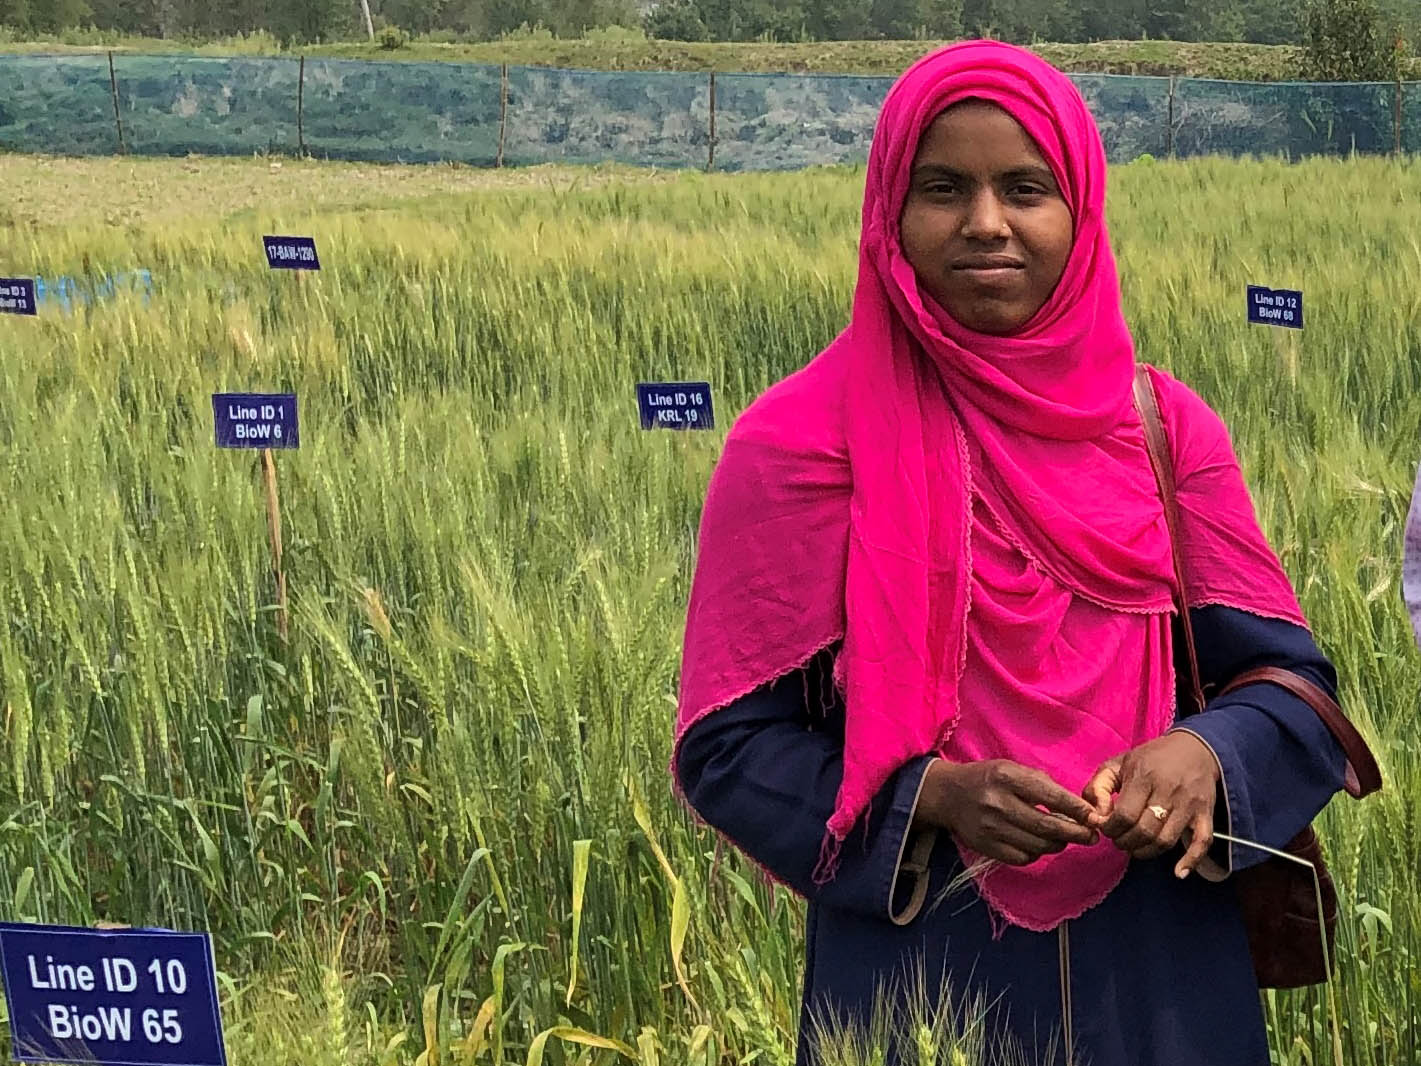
(973, 516)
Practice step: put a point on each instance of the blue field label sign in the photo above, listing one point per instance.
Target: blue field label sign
(291, 253)
(125, 997)
(678, 405)
(255, 420)
(17, 296)
(1275, 307)
(71, 293)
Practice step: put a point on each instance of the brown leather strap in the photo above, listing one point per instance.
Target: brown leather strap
(1163, 464)
(1363, 775)
(917, 865)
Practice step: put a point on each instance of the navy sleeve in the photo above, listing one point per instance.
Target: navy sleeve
(1280, 763)
(765, 773)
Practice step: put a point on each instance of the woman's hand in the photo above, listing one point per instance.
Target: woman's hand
(992, 807)
(1177, 772)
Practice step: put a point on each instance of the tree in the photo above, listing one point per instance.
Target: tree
(747, 20)
(1113, 20)
(895, 19)
(676, 20)
(417, 16)
(575, 17)
(15, 14)
(1349, 40)
(1022, 21)
(51, 16)
(1264, 23)
(312, 20)
(504, 15)
(943, 18)
(836, 20)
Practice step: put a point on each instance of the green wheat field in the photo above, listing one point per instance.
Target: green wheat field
(435, 825)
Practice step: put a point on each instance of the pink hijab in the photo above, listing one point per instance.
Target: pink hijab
(974, 516)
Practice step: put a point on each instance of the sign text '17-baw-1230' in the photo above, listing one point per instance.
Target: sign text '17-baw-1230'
(291, 253)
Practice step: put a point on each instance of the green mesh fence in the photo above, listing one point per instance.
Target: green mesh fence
(1132, 113)
(462, 112)
(579, 116)
(176, 105)
(1289, 118)
(772, 121)
(1411, 117)
(780, 122)
(59, 104)
(408, 112)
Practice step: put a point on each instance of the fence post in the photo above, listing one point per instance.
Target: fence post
(1169, 129)
(502, 113)
(1396, 116)
(710, 158)
(301, 107)
(117, 121)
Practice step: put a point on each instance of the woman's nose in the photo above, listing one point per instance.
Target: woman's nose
(986, 217)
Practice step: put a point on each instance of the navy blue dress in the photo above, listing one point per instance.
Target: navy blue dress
(1160, 971)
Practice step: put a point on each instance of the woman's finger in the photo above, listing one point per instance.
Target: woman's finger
(1100, 791)
(1134, 797)
(1202, 833)
(1010, 856)
(1148, 831)
(1054, 827)
(1028, 846)
(1166, 836)
(1036, 788)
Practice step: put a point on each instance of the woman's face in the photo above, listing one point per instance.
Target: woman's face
(985, 225)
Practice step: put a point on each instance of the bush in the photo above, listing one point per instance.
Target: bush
(392, 37)
(524, 32)
(89, 36)
(676, 20)
(1349, 40)
(255, 43)
(615, 34)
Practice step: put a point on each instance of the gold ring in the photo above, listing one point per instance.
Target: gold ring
(1159, 812)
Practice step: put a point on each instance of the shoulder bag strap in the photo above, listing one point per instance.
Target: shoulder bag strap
(1363, 776)
(1163, 465)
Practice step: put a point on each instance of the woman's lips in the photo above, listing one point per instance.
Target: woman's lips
(989, 275)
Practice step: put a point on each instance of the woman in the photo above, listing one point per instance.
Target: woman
(1411, 560)
(954, 502)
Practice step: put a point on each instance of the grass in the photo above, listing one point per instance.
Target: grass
(1230, 61)
(142, 192)
(438, 821)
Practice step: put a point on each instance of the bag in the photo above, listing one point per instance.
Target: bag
(1277, 897)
